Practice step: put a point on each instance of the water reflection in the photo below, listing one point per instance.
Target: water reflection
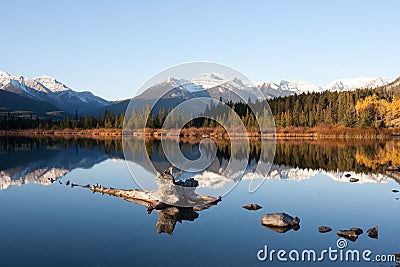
(116, 229)
(36, 160)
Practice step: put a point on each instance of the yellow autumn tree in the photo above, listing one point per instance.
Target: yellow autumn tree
(394, 112)
(373, 111)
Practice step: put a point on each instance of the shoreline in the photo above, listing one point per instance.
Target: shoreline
(336, 132)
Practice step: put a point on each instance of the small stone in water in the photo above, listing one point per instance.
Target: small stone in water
(324, 229)
(252, 207)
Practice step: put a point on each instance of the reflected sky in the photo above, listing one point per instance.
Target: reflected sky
(63, 226)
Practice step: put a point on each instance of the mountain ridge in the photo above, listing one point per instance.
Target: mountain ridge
(50, 90)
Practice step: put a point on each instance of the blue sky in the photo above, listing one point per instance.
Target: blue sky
(112, 48)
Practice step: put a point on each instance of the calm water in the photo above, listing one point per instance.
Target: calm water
(51, 224)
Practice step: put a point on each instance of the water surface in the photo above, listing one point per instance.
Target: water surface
(51, 224)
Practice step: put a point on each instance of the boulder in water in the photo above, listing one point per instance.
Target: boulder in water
(373, 232)
(279, 220)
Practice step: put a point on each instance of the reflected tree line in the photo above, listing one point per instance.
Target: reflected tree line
(22, 143)
(352, 155)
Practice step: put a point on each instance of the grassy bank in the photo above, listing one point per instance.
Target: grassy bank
(323, 131)
(66, 132)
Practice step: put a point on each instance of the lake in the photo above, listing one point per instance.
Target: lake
(47, 222)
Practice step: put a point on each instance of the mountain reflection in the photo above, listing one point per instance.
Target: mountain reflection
(36, 160)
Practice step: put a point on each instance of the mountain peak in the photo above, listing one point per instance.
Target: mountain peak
(211, 76)
(354, 83)
(46, 77)
(50, 90)
(52, 84)
(209, 80)
(4, 74)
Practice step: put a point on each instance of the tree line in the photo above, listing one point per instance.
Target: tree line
(15, 121)
(363, 108)
(359, 108)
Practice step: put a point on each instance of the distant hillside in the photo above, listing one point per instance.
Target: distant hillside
(117, 108)
(14, 103)
(394, 87)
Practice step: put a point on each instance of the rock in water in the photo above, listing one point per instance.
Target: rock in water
(373, 232)
(252, 207)
(279, 220)
(357, 230)
(395, 191)
(353, 180)
(324, 229)
(351, 234)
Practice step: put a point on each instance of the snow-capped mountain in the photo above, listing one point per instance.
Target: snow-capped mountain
(285, 88)
(352, 84)
(174, 91)
(209, 80)
(52, 84)
(204, 85)
(233, 88)
(50, 90)
(298, 86)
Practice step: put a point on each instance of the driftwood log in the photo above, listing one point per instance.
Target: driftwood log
(173, 201)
